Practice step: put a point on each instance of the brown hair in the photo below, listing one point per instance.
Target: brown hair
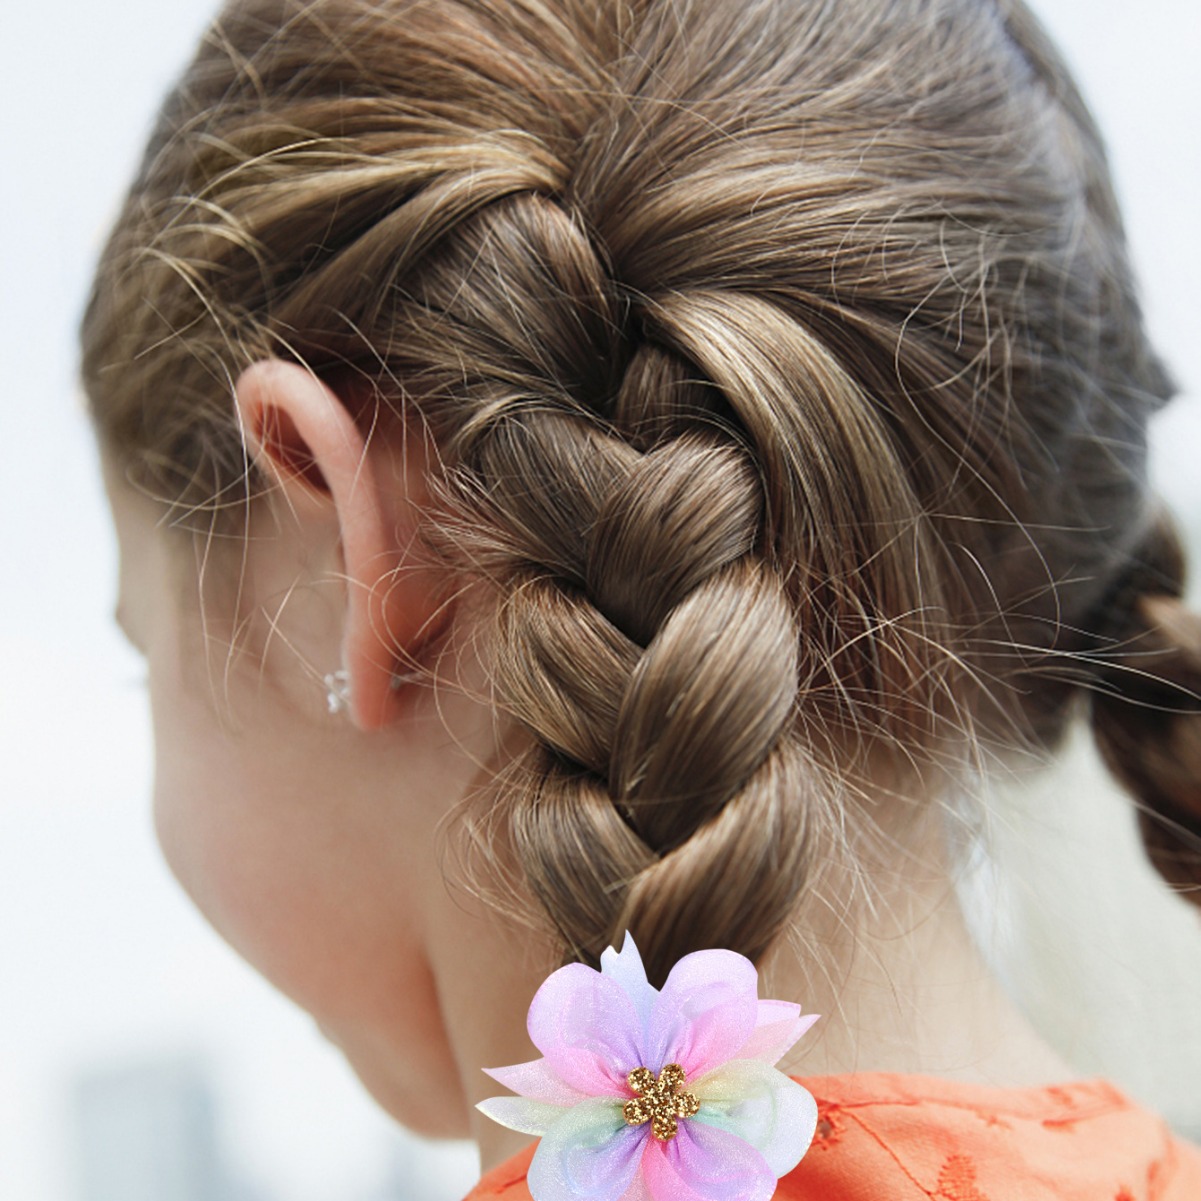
(786, 374)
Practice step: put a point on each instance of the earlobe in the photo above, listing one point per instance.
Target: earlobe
(305, 438)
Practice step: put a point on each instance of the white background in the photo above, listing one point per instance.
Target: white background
(101, 958)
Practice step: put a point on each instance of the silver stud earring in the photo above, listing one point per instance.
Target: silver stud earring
(337, 687)
(337, 691)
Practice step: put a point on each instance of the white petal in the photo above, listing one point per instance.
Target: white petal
(520, 1113)
(625, 966)
(762, 1107)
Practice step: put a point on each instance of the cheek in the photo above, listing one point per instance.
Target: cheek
(240, 865)
(314, 900)
(251, 826)
(319, 880)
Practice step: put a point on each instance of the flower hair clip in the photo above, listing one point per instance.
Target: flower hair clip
(645, 1094)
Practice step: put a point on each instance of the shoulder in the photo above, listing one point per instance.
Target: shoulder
(1080, 1141)
(507, 1180)
(911, 1138)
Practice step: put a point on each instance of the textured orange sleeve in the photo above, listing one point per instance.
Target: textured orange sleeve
(883, 1137)
(507, 1180)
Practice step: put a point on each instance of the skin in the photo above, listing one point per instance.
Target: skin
(324, 848)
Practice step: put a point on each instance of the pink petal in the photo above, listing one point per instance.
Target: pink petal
(705, 1012)
(638, 1190)
(778, 1025)
(625, 966)
(588, 1030)
(537, 1081)
(589, 1154)
(760, 1106)
(705, 1164)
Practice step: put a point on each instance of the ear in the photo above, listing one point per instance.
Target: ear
(304, 437)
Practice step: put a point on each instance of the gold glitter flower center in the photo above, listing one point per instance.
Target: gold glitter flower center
(659, 1101)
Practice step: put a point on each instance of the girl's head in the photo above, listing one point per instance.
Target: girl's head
(706, 433)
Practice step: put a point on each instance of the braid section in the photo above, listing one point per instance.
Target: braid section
(705, 704)
(771, 832)
(655, 719)
(856, 548)
(654, 530)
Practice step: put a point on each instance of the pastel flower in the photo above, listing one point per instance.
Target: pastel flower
(644, 1094)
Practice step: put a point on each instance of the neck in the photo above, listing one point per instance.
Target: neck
(903, 987)
(896, 975)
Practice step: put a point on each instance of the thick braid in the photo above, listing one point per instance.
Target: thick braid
(663, 739)
(796, 457)
(643, 633)
(647, 629)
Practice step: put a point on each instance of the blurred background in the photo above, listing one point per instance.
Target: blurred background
(139, 1059)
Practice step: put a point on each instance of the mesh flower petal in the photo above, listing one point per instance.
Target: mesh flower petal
(589, 1154)
(760, 1106)
(522, 1114)
(705, 1012)
(625, 967)
(703, 1163)
(588, 1029)
(722, 1126)
(778, 1025)
(637, 1190)
(538, 1081)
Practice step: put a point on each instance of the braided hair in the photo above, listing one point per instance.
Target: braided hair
(788, 385)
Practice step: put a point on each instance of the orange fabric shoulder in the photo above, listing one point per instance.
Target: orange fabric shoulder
(915, 1138)
(939, 1140)
(507, 1180)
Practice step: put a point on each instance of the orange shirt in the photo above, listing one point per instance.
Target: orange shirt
(883, 1137)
